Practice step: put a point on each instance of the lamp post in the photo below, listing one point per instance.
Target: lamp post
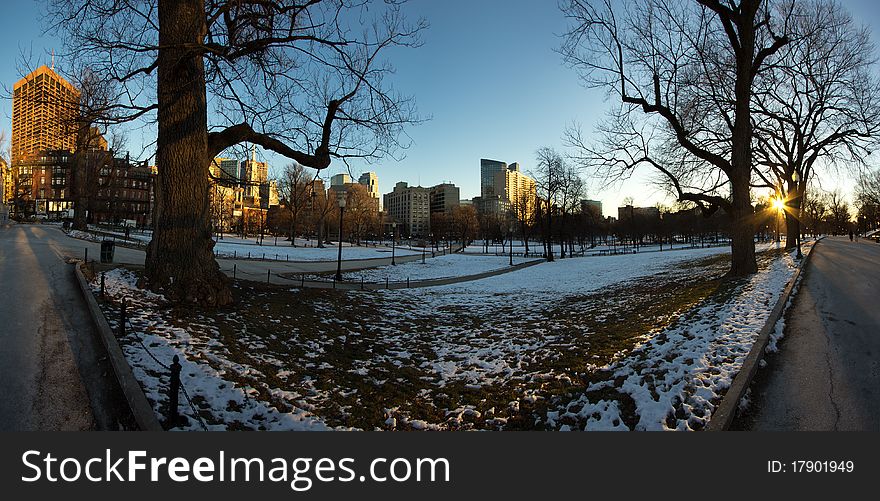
(339, 259)
(393, 241)
(794, 178)
(510, 243)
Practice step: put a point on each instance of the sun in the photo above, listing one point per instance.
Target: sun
(779, 204)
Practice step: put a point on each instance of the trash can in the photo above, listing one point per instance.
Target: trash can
(107, 251)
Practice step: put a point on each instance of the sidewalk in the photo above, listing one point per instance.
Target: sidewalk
(826, 374)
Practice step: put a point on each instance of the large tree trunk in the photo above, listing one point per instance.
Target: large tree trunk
(180, 260)
(742, 235)
(321, 233)
(792, 216)
(79, 213)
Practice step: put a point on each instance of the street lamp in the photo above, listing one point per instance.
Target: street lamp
(339, 259)
(797, 238)
(393, 241)
(510, 242)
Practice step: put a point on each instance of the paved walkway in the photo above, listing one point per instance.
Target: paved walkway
(292, 279)
(53, 367)
(826, 375)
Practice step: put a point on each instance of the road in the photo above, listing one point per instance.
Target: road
(52, 363)
(826, 375)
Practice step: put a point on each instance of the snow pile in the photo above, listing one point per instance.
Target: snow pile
(84, 235)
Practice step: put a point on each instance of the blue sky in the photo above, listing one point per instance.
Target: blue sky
(487, 75)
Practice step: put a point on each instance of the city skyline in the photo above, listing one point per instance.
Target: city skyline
(478, 86)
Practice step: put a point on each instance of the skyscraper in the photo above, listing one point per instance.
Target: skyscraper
(340, 180)
(488, 171)
(44, 107)
(410, 206)
(371, 181)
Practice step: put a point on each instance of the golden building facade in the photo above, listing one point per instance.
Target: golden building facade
(44, 108)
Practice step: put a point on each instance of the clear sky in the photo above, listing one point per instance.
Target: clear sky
(487, 75)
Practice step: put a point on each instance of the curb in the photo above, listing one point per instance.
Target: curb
(137, 402)
(726, 411)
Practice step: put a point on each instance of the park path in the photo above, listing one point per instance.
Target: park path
(826, 374)
(52, 364)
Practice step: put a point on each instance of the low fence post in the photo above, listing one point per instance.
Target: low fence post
(407, 282)
(86, 259)
(102, 286)
(174, 392)
(268, 275)
(234, 270)
(362, 283)
(122, 319)
(386, 282)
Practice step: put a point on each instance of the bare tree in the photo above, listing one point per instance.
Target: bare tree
(90, 121)
(523, 209)
(361, 212)
(302, 79)
(868, 187)
(322, 208)
(570, 194)
(294, 190)
(5, 173)
(838, 212)
(549, 176)
(684, 73)
(465, 223)
(820, 105)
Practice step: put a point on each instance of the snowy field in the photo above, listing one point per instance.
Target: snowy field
(633, 342)
(536, 247)
(287, 252)
(452, 265)
(248, 248)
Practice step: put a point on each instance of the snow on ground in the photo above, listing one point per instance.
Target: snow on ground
(452, 265)
(573, 344)
(150, 344)
(84, 235)
(677, 377)
(287, 252)
(572, 276)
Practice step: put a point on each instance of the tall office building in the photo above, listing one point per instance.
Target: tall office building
(340, 180)
(253, 174)
(225, 170)
(44, 107)
(594, 206)
(504, 188)
(444, 198)
(517, 189)
(371, 181)
(488, 171)
(410, 206)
